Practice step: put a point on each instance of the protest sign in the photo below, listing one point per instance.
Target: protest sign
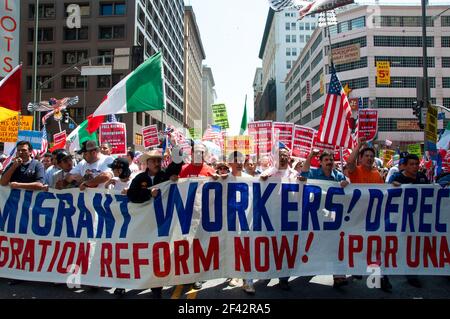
(243, 228)
(415, 149)
(115, 134)
(150, 134)
(367, 124)
(59, 137)
(302, 141)
(9, 129)
(261, 134)
(34, 137)
(9, 36)
(220, 116)
(237, 143)
(285, 133)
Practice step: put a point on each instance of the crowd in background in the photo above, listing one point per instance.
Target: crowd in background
(137, 175)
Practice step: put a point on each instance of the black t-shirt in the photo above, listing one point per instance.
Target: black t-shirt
(402, 179)
(31, 172)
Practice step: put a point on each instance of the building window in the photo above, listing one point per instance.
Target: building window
(406, 61)
(139, 118)
(316, 43)
(46, 11)
(446, 101)
(288, 51)
(302, 38)
(43, 58)
(85, 9)
(112, 32)
(73, 82)
(399, 41)
(316, 77)
(76, 113)
(362, 43)
(362, 63)
(138, 139)
(112, 9)
(446, 83)
(76, 34)
(288, 64)
(394, 103)
(108, 60)
(293, 38)
(445, 42)
(307, 26)
(445, 21)
(73, 57)
(108, 81)
(294, 26)
(357, 23)
(307, 38)
(44, 34)
(294, 51)
(288, 38)
(40, 79)
(406, 82)
(301, 26)
(317, 112)
(147, 119)
(358, 83)
(288, 26)
(446, 62)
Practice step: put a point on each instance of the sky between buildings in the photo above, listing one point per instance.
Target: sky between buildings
(231, 32)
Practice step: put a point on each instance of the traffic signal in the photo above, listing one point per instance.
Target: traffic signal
(417, 111)
(65, 117)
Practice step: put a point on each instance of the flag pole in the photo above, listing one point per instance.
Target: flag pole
(330, 56)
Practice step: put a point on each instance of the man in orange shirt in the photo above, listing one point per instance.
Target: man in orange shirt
(365, 173)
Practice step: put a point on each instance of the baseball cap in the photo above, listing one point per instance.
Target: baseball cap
(120, 162)
(88, 146)
(62, 155)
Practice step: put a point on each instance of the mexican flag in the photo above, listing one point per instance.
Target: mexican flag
(78, 136)
(142, 90)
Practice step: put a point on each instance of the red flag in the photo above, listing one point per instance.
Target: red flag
(94, 123)
(10, 97)
(60, 145)
(335, 123)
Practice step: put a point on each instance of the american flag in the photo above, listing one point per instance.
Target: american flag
(44, 145)
(10, 157)
(279, 5)
(334, 126)
(213, 132)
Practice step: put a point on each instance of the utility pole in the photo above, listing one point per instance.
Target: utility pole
(425, 91)
(36, 34)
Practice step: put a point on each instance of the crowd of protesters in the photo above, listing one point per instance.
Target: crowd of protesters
(138, 174)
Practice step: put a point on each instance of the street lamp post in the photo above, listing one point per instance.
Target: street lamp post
(36, 34)
(425, 90)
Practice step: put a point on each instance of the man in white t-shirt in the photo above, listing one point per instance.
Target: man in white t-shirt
(93, 172)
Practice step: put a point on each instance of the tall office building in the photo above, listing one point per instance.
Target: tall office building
(283, 40)
(139, 28)
(208, 97)
(194, 54)
(393, 35)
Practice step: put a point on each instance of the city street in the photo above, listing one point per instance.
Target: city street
(434, 287)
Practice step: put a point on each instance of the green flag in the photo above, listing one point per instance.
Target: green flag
(244, 118)
(141, 90)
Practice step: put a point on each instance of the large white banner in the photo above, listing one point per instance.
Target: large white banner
(201, 229)
(9, 35)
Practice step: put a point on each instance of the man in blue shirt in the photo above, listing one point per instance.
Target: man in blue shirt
(24, 172)
(326, 172)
